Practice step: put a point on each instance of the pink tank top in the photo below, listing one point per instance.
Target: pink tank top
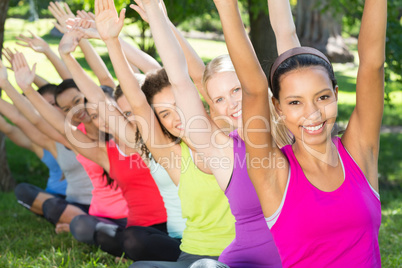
(107, 201)
(328, 229)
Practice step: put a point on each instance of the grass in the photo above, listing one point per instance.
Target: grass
(30, 241)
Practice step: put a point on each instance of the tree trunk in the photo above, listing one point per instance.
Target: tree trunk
(321, 30)
(6, 181)
(261, 34)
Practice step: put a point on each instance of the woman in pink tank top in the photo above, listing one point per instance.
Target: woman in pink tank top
(319, 195)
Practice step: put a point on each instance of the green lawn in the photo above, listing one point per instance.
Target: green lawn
(30, 241)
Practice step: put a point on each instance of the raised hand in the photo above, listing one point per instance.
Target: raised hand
(108, 23)
(3, 74)
(23, 75)
(82, 14)
(34, 42)
(62, 13)
(9, 55)
(85, 26)
(70, 41)
(139, 8)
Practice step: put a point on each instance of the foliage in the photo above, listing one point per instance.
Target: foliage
(353, 11)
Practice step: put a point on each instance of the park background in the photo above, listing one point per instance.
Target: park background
(329, 25)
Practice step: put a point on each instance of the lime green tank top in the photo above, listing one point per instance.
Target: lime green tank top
(210, 224)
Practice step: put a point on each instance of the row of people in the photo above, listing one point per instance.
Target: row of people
(173, 163)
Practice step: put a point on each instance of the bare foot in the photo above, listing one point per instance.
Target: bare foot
(62, 228)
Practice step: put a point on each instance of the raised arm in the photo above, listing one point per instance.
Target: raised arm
(96, 63)
(9, 55)
(110, 25)
(255, 106)
(24, 106)
(33, 134)
(195, 64)
(282, 23)
(139, 58)
(77, 140)
(41, 46)
(93, 92)
(186, 95)
(18, 137)
(363, 132)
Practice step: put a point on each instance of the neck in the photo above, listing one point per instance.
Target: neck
(323, 154)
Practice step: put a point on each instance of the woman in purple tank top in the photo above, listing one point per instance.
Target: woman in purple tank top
(320, 193)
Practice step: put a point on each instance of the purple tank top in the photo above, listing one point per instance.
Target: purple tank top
(253, 245)
(328, 229)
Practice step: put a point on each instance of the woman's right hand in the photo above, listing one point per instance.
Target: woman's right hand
(108, 23)
(70, 41)
(24, 76)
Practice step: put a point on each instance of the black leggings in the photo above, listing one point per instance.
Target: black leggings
(52, 208)
(84, 227)
(140, 243)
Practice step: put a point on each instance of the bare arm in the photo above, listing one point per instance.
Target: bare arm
(139, 58)
(282, 23)
(96, 63)
(37, 137)
(195, 64)
(363, 132)
(255, 103)
(93, 92)
(39, 45)
(23, 105)
(109, 26)
(16, 135)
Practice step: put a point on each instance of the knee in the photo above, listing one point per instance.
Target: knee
(133, 243)
(53, 208)
(208, 263)
(83, 228)
(26, 194)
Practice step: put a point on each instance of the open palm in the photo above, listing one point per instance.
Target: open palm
(24, 76)
(108, 23)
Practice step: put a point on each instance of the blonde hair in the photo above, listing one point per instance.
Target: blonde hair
(223, 63)
(279, 131)
(219, 64)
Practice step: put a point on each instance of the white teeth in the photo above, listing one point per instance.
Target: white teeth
(179, 126)
(237, 114)
(314, 128)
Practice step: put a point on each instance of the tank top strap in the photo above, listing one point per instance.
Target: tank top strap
(351, 168)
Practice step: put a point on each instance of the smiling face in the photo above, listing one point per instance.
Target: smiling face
(69, 99)
(165, 108)
(225, 92)
(308, 104)
(93, 113)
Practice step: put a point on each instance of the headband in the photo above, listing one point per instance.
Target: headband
(293, 52)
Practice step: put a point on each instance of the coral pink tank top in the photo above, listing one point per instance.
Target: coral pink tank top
(107, 201)
(328, 229)
(144, 201)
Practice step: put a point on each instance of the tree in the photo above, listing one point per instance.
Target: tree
(318, 25)
(261, 34)
(6, 181)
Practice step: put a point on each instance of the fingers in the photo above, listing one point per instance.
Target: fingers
(61, 9)
(23, 45)
(92, 15)
(96, 7)
(101, 6)
(34, 68)
(122, 15)
(68, 9)
(23, 38)
(54, 10)
(58, 27)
